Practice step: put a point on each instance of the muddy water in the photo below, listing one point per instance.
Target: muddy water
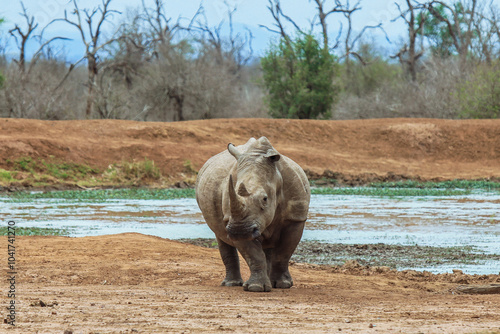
(426, 221)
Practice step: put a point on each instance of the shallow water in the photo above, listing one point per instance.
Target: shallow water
(427, 221)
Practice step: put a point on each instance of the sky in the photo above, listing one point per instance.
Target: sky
(249, 15)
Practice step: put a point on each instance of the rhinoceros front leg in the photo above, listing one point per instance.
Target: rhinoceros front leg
(281, 254)
(256, 259)
(231, 261)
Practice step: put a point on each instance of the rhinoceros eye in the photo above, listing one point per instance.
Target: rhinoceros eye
(264, 202)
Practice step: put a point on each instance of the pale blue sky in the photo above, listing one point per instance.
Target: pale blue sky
(249, 15)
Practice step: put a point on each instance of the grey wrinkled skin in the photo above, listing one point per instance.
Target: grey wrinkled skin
(256, 202)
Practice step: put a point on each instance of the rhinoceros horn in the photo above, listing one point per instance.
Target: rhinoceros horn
(235, 202)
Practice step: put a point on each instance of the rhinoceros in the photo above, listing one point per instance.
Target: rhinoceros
(256, 202)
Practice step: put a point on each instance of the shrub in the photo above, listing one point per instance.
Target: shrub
(430, 97)
(479, 96)
(360, 79)
(133, 172)
(299, 78)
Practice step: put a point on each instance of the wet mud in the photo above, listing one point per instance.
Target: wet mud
(397, 257)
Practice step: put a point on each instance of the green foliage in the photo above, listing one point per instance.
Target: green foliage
(26, 164)
(189, 168)
(479, 96)
(104, 194)
(438, 32)
(453, 184)
(389, 192)
(59, 170)
(5, 175)
(299, 78)
(22, 231)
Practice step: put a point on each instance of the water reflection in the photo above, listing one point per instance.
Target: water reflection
(448, 221)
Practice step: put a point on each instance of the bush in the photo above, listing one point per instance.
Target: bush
(361, 79)
(433, 96)
(35, 94)
(299, 78)
(479, 96)
(133, 172)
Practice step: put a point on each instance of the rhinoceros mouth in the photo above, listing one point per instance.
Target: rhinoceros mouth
(239, 234)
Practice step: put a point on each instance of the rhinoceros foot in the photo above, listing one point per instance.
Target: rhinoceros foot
(257, 285)
(283, 284)
(284, 281)
(234, 282)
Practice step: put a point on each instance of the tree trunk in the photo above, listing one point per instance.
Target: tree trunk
(92, 73)
(179, 99)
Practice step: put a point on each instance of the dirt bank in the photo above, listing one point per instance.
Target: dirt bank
(131, 283)
(352, 150)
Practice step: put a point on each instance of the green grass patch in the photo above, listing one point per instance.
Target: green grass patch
(453, 184)
(133, 172)
(20, 231)
(43, 170)
(390, 192)
(39, 172)
(6, 176)
(104, 194)
(389, 189)
(163, 194)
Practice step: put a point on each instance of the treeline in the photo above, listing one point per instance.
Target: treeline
(155, 68)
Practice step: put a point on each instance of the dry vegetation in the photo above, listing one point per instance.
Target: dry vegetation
(154, 68)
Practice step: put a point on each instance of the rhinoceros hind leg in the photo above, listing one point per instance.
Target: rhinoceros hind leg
(231, 261)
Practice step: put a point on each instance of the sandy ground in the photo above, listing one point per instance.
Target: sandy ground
(134, 283)
(131, 283)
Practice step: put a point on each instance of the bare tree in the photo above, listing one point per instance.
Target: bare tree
(23, 37)
(350, 42)
(233, 51)
(91, 34)
(338, 7)
(22, 96)
(493, 20)
(161, 29)
(408, 54)
(274, 8)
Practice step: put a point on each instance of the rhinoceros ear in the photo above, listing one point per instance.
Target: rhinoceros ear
(272, 155)
(233, 150)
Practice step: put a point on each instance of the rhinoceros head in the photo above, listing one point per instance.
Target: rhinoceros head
(254, 191)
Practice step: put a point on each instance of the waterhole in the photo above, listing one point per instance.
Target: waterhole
(452, 221)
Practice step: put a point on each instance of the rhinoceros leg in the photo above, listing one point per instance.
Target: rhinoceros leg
(231, 261)
(281, 254)
(256, 259)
